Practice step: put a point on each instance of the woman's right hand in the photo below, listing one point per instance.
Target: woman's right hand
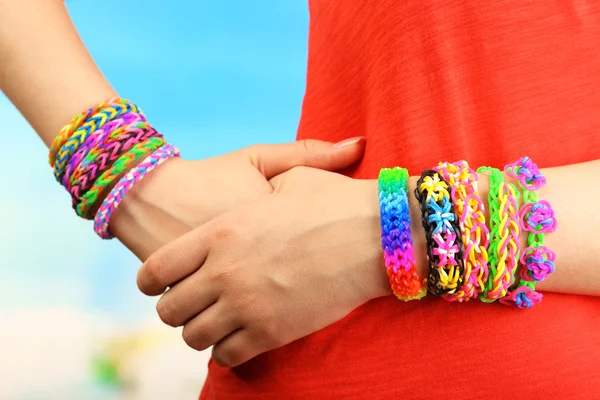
(184, 194)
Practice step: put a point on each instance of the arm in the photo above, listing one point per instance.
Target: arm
(575, 241)
(46, 70)
(264, 275)
(48, 74)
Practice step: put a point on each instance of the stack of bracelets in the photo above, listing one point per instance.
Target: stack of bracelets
(466, 259)
(93, 152)
(112, 146)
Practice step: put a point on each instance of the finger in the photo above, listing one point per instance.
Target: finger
(173, 262)
(186, 299)
(236, 349)
(275, 159)
(209, 327)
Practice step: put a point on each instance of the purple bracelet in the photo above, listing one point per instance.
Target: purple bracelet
(98, 136)
(112, 201)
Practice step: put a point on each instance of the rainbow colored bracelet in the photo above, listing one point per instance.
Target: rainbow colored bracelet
(78, 130)
(97, 147)
(396, 239)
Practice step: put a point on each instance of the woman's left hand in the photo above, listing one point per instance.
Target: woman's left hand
(266, 274)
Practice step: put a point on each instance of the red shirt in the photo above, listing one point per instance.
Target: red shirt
(426, 81)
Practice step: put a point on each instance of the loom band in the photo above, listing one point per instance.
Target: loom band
(509, 251)
(89, 199)
(457, 271)
(529, 197)
(540, 209)
(395, 261)
(538, 262)
(438, 280)
(482, 233)
(111, 130)
(442, 221)
(531, 178)
(502, 279)
(446, 256)
(522, 297)
(542, 250)
(80, 135)
(432, 183)
(95, 138)
(123, 135)
(535, 239)
(484, 275)
(86, 179)
(71, 127)
(395, 239)
(450, 279)
(98, 120)
(105, 179)
(116, 195)
(126, 137)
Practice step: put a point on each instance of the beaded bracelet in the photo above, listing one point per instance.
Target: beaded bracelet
(69, 140)
(503, 252)
(101, 157)
(470, 210)
(89, 199)
(444, 243)
(112, 201)
(537, 218)
(396, 239)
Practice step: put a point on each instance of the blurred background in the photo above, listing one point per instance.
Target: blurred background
(213, 76)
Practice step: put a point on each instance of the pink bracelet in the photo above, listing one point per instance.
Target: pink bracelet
(116, 195)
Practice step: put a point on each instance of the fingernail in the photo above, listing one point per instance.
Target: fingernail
(349, 142)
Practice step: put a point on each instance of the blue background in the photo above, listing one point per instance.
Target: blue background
(213, 76)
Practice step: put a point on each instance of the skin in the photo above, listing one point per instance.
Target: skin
(302, 258)
(171, 200)
(274, 255)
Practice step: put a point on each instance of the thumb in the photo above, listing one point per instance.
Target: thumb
(274, 159)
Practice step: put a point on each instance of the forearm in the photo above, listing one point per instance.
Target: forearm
(45, 69)
(575, 241)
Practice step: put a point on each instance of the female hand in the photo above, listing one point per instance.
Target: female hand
(181, 194)
(271, 272)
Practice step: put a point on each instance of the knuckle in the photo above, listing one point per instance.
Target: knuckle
(223, 277)
(270, 333)
(247, 303)
(151, 273)
(225, 231)
(226, 356)
(166, 313)
(193, 337)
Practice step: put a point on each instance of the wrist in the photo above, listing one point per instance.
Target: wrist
(142, 221)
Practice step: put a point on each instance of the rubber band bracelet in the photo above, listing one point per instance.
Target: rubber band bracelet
(100, 139)
(101, 158)
(443, 236)
(110, 175)
(536, 218)
(505, 234)
(396, 239)
(470, 210)
(68, 141)
(67, 131)
(113, 200)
